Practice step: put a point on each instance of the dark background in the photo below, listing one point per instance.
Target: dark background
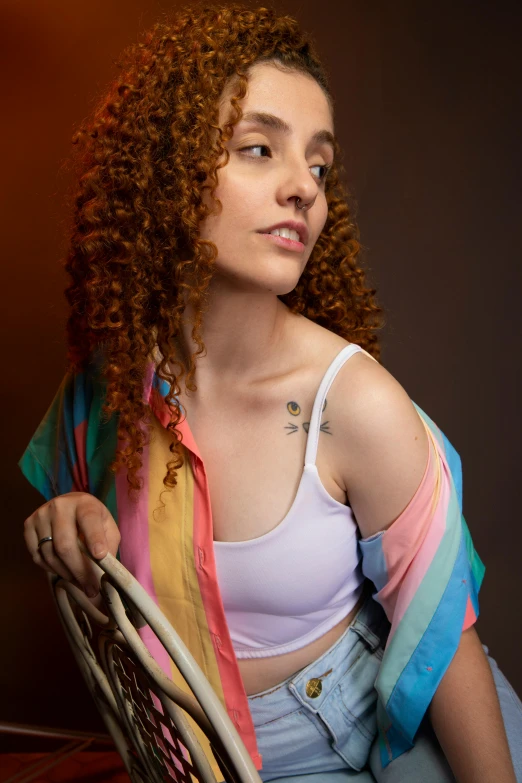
(428, 112)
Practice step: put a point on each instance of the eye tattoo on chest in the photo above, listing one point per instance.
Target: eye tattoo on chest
(295, 410)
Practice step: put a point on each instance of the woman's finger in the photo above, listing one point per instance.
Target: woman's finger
(66, 547)
(36, 527)
(46, 559)
(99, 530)
(41, 525)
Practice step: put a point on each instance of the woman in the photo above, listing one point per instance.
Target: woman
(212, 242)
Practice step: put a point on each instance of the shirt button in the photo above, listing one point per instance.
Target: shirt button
(314, 688)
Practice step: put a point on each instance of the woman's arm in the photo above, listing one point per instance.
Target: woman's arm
(381, 443)
(466, 717)
(382, 455)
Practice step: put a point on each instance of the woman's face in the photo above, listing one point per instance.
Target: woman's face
(279, 152)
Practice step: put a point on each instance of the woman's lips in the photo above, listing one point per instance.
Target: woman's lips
(289, 244)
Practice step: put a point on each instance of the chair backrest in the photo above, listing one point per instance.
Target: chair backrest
(155, 724)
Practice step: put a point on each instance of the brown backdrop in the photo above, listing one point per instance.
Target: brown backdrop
(428, 111)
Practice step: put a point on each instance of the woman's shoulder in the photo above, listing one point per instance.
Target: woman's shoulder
(366, 399)
(380, 443)
(319, 345)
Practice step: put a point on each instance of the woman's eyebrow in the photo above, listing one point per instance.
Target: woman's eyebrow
(276, 123)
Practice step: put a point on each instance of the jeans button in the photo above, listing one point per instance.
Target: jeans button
(314, 688)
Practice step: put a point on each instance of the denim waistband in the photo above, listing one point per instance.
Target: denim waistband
(323, 717)
(369, 624)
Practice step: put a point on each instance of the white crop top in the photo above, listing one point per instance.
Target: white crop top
(288, 587)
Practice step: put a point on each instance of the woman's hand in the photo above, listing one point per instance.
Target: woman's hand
(67, 518)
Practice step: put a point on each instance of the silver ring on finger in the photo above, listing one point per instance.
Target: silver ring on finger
(43, 540)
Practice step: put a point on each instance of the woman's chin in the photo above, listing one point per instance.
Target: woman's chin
(276, 283)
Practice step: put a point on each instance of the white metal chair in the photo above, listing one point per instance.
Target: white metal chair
(144, 710)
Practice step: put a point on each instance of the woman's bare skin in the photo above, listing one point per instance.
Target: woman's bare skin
(254, 460)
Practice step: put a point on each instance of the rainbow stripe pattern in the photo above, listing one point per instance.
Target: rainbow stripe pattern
(425, 569)
(427, 575)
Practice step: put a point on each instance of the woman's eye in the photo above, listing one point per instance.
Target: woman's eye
(255, 147)
(321, 176)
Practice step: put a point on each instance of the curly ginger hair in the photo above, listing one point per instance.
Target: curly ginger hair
(150, 148)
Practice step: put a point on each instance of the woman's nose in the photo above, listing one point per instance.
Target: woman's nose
(298, 183)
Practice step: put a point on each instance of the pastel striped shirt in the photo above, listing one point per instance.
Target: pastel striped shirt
(425, 569)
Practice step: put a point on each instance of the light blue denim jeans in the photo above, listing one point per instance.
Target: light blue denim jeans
(319, 725)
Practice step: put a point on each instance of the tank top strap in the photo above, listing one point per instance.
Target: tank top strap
(314, 427)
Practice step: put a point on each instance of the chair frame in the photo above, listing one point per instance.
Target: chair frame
(143, 709)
